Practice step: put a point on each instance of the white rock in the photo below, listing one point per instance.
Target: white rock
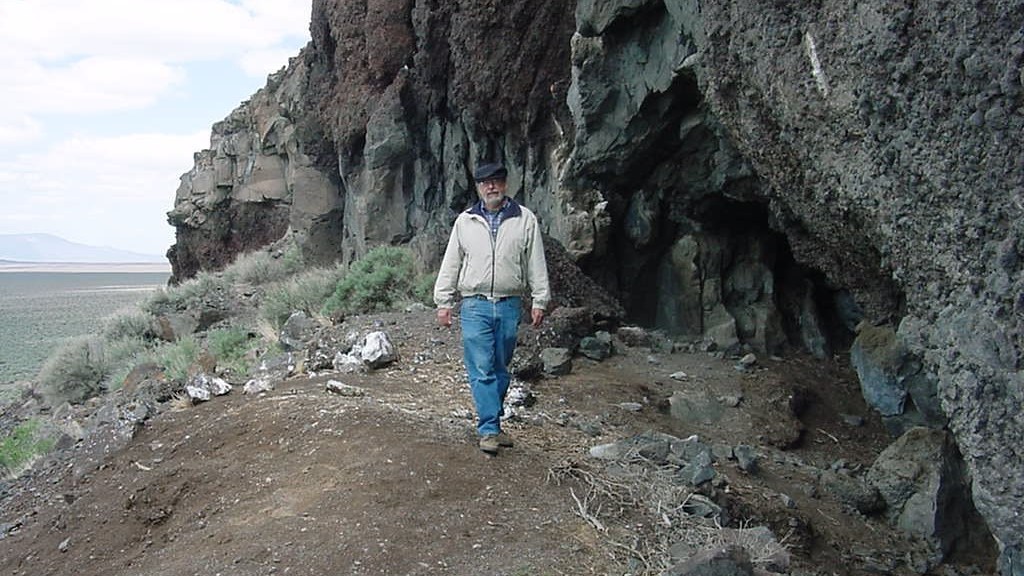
(377, 350)
(343, 389)
(197, 394)
(218, 386)
(257, 385)
(347, 363)
(612, 451)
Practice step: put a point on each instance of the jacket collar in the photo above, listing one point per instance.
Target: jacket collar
(511, 209)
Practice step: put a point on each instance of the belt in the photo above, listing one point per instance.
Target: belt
(490, 299)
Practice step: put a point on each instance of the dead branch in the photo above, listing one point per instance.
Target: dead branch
(582, 512)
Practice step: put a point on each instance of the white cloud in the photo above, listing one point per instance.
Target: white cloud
(89, 56)
(280, 17)
(112, 191)
(18, 128)
(90, 85)
(178, 31)
(68, 64)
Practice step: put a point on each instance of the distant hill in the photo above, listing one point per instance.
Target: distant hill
(50, 248)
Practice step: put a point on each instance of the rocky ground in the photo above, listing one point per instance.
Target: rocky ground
(387, 478)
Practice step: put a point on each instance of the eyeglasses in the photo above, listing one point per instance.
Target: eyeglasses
(491, 182)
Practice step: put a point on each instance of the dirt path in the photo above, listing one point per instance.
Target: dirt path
(302, 481)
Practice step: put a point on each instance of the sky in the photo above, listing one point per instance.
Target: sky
(104, 102)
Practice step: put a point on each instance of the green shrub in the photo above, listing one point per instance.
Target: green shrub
(177, 357)
(188, 294)
(265, 266)
(377, 282)
(253, 267)
(200, 287)
(306, 292)
(229, 347)
(75, 372)
(22, 446)
(115, 380)
(160, 299)
(423, 289)
(129, 324)
(122, 355)
(124, 350)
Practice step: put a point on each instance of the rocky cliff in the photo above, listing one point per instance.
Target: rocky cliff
(755, 173)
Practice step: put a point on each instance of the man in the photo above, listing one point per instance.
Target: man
(495, 257)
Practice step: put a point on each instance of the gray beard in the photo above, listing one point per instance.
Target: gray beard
(497, 205)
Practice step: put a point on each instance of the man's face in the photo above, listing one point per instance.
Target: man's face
(491, 192)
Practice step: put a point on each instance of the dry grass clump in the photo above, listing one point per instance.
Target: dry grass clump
(266, 265)
(640, 511)
(179, 402)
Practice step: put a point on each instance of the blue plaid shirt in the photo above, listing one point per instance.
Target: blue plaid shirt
(494, 218)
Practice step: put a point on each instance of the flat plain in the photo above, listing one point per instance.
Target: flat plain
(45, 305)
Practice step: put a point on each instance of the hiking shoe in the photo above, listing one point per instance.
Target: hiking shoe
(489, 444)
(504, 440)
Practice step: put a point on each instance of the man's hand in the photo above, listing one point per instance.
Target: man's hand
(444, 316)
(536, 317)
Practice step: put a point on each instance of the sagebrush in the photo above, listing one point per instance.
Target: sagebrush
(265, 266)
(75, 372)
(192, 293)
(383, 278)
(306, 292)
(130, 324)
(177, 357)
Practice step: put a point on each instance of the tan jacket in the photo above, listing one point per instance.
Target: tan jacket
(512, 264)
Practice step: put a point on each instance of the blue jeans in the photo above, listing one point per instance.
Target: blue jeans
(488, 341)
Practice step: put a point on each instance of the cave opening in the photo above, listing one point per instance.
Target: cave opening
(722, 273)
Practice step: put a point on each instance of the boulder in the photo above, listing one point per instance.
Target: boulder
(890, 375)
(878, 358)
(212, 384)
(697, 470)
(197, 393)
(557, 361)
(376, 350)
(690, 406)
(597, 347)
(852, 492)
(296, 331)
(922, 480)
(746, 458)
(258, 386)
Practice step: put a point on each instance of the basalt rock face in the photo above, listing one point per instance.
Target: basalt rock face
(889, 135)
(746, 172)
(263, 175)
